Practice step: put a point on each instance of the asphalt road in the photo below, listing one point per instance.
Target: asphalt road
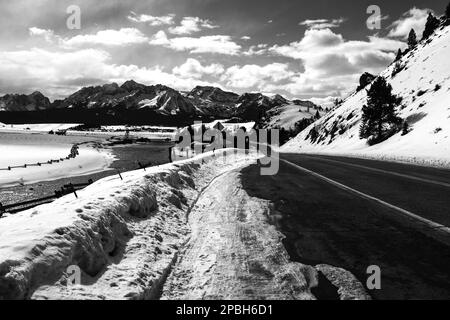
(354, 213)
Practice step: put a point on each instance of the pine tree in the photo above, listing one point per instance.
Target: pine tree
(399, 55)
(380, 119)
(412, 39)
(431, 25)
(405, 128)
(317, 115)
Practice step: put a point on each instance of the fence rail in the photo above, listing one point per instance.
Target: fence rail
(29, 204)
(65, 190)
(74, 152)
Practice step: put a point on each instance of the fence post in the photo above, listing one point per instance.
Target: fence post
(72, 189)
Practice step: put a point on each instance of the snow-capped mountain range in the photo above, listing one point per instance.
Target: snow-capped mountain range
(202, 101)
(422, 79)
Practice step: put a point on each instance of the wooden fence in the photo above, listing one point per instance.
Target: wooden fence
(73, 154)
(25, 205)
(65, 190)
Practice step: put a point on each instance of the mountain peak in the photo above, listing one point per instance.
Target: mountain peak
(279, 99)
(22, 102)
(131, 85)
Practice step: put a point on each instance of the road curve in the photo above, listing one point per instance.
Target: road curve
(358, 225)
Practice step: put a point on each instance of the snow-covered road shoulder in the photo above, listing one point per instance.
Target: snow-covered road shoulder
(124, 234)
(234, 252)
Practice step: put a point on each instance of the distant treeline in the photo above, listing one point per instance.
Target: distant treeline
(97, 117)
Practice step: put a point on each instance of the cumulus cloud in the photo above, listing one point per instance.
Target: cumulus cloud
(47, 34)
(154, 21)
(332, 64)
(121, 37)
(257, 50)
(189, 25)
(322, 23)
(32, 68)
(124, 36)
(220, 44)
(64, 72)
(192, 68)
(253, 75)
(412, 19)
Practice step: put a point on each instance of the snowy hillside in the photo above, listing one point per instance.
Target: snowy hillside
(424, 85)
(287, 115)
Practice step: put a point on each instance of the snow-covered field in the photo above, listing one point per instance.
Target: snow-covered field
(136, 134)
(148, 132)
(39, 127)
(424, 84)
(20, 149)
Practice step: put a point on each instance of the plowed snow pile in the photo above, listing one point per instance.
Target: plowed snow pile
(424, 85)
(123, 234)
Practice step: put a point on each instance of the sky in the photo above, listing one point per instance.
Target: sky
(301, 49)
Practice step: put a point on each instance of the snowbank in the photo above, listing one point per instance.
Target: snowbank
(424, 85)
(123, 234)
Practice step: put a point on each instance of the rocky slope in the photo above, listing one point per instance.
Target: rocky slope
(421, 78)
(130, 95)
(213, 101)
